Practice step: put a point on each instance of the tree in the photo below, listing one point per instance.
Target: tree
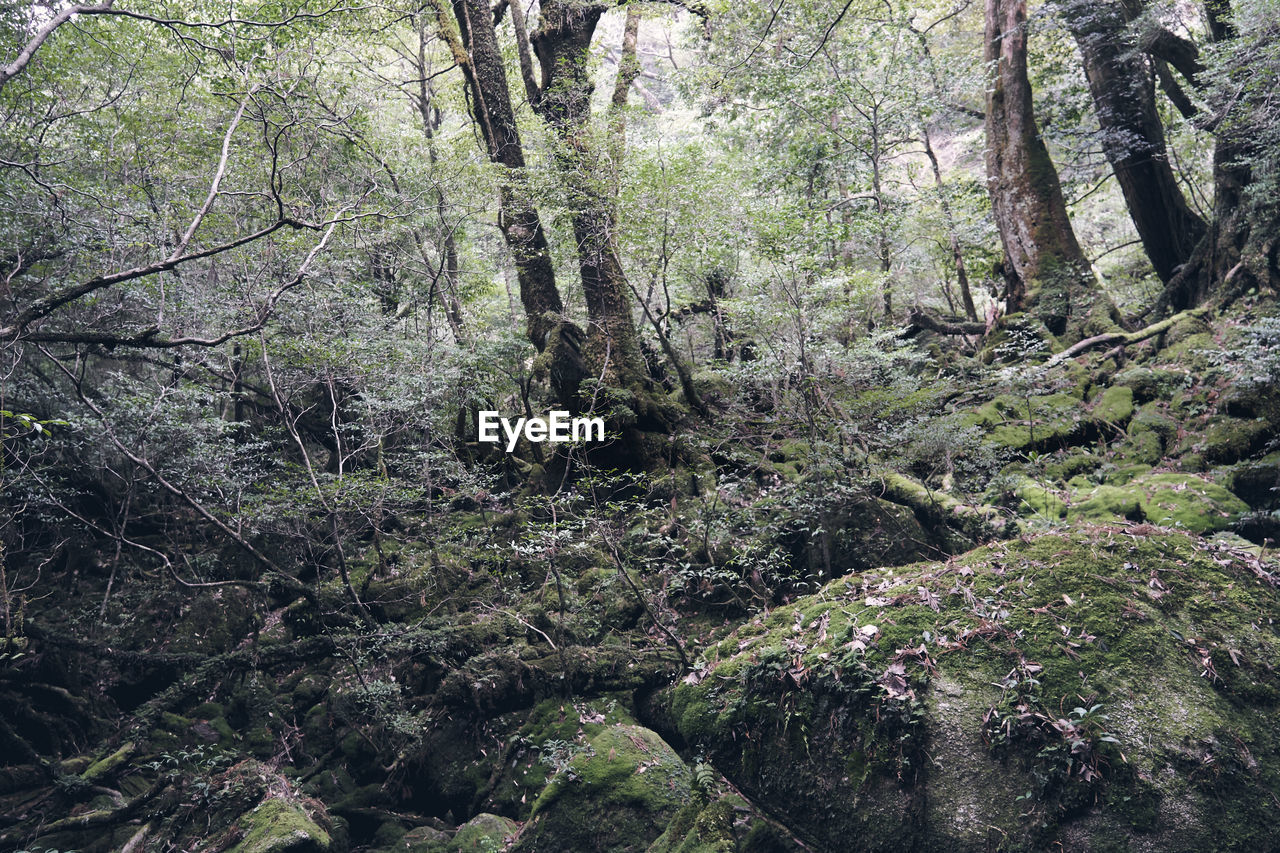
(1047, 274)
(474, 44)
(1239, 251)
(1132, 133)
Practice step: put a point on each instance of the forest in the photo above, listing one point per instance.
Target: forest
(592, 426)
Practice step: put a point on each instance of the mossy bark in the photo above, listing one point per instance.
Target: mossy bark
(1132, 134)
(562, 44)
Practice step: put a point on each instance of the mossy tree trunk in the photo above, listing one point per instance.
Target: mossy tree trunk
(1124, 100)
(475, 48)
(562, 45)
(1047, 272)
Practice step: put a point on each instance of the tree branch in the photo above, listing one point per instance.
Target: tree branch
(24, 56)
(1124, 338)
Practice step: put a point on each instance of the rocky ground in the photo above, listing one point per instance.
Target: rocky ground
(1077, 653)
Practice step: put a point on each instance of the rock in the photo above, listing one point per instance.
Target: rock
(482, 833)
(1257, 483)
(1225, 439)
(1151, 383)
(1114, 406)
(281, 826)
(423, 839)
(1039, 499)
(1066, 691)
(1168, 499)
(617, 797)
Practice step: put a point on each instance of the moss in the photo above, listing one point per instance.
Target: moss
(1114, 406)
(1224, 439)
(1152, 418)
(1106, 503)
(1022, 424)
(1124, 474)
(281, 826)
(1169, 499)
(617, 796)
(104, 767)
(793, 706)
(1071, 463)
(1039, 499)
(1140, 448)
(699, 827)
(216, 621)
(483, 833)
(1151, 383)
(1256, 482)
(423, 839)
(1189, 502)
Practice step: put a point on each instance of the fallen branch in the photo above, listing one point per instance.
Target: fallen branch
(940, 508)
(920, 320)
(1124, 339)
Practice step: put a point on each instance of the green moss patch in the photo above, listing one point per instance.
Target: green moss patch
(1168, 499)
(617, 796)
(281, 826)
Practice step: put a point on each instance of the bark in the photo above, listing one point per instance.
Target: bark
(1236, 253)
(1048, 273)
(1123, 339)
(430, 114)
(1132, 134)
(957, 253)
(562, 45)
(475, 48)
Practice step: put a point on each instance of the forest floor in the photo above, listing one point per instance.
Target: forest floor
(1050, 625)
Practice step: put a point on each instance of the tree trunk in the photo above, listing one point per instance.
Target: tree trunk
(1132, 134)
(562, 45)
(1048, 274)
(477, 53)
(1234, 255)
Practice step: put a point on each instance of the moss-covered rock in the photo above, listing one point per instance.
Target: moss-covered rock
(615, 797)
(1106, 503)
(482, 834)
(422, 839)
(1039, 499)
(1168, 499)
(699, 827)
(931, 707)
(1069, 463)
(1256, 482)
(281, 826)
(1029, 423)
(216, 621)
(1223, 440)
(1151, 383)
(1114, 406)
(1189, 502)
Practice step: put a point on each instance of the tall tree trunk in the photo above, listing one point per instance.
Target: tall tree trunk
(430, 115)
(1234, 255)
(1048, 274)
(1132, 134)
(957, 254)
(475, 48)
(562, 44)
